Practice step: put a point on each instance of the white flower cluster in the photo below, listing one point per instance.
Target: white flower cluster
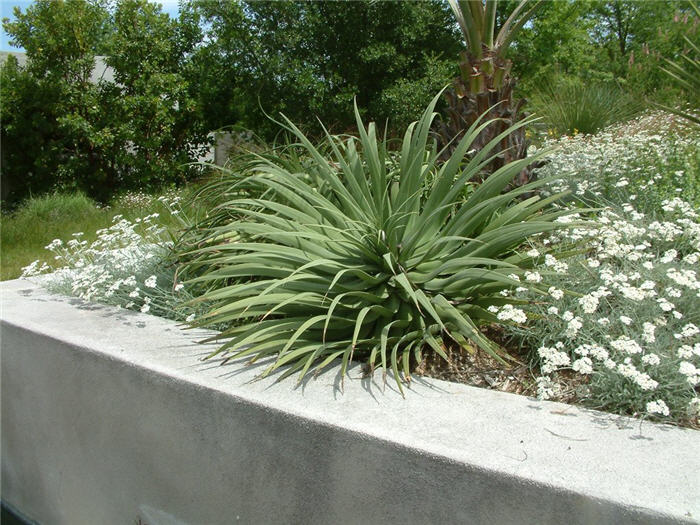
(553, 358)
(626, 345)
(546, 388)
(509, 313)
(110, 269)
(658, 407)
(630, 299)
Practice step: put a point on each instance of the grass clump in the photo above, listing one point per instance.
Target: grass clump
(365, 255)
(38, 221)
(572, 109)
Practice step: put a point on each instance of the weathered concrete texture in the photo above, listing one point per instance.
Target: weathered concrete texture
(110, 416)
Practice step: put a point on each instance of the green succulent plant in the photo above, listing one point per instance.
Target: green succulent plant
(391, 259)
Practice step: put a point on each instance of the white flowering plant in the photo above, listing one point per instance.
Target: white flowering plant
(620, 330)
(644, 162)
(127, 265)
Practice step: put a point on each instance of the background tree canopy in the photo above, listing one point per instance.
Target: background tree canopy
(224, 63)
(310, 59)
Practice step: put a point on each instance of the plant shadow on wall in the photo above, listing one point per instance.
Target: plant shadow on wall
(373, 255)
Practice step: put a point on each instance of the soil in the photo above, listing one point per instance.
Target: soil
(475, 367)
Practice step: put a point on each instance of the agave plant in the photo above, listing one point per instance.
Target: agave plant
(382, 265)
(485, 84)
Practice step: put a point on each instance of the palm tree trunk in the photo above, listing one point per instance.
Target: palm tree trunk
(485, 86)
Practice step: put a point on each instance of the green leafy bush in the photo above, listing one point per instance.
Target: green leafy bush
(572, 108)
(365, 257)
(65, 129)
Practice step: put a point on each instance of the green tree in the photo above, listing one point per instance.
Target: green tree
(310, 59)
(623, 26)
(43, 101)
(155, 118)
(29, 140)
(60, 128)
(556, 43)
(673, 33)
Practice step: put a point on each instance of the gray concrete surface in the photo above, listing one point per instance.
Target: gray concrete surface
(110, 416)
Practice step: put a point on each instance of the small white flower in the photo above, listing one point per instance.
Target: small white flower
(589, 303)
(534, 277)
(190, 318)
(555, 293)
(685, 352)
(610, 364)
(669, 256)
(179, 287)
(625, 320)
(692, 374)
(651, 359)
(552, 359)
(627, 345)
(583, 366)
(510, 313)
(673, 292)
(645, 382)
(546, 388)
(573, 327)
(688, 330)
(150, 282)
(658, 407)
(694, 407)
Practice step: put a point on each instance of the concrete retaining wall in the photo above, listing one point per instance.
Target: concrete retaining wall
(110, 416)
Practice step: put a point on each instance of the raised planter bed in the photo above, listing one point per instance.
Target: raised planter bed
(110, 416)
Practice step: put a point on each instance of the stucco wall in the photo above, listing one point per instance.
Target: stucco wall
(109, 416)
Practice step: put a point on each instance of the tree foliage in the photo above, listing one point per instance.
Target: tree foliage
(310, 59)
(63, 129)
(226, 62)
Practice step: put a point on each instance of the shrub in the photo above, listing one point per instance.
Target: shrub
(648, 160)
(63, 131)
(378, 262)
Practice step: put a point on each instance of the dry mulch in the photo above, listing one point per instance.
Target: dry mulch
(475, 367)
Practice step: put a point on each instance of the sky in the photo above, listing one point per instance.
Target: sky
(7, 7)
